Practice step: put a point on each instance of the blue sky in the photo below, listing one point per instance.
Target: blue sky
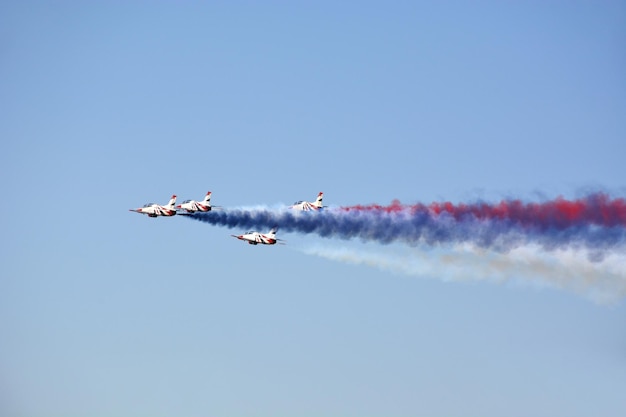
(108, 105)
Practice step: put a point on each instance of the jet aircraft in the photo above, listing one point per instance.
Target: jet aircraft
(192, 206)
(155, 210)
(254, 238)
(307, 206)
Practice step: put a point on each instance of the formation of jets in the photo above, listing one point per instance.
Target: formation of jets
(189, 207)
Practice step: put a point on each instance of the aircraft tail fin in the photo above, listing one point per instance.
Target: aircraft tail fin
(172, 201)
(318, 202)
(207, 198)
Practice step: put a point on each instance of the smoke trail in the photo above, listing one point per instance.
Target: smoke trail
(596, 209)
(596, 222)
(603, 281)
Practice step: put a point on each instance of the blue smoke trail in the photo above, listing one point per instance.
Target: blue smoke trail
(416, 227)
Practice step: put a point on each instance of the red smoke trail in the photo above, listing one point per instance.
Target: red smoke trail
(596, 209)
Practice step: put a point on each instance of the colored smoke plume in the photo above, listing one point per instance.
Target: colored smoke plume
(596, 223)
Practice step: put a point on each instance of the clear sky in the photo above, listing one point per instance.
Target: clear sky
(105, 106)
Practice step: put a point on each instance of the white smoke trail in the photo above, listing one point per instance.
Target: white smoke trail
(603, 280)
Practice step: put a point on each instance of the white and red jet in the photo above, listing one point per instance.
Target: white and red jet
(192, 206)
(307, 206)
(155, 210)
(254, 238)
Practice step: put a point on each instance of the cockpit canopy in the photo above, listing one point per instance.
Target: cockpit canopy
(187, 201)
(298, 202)
(149, 204)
